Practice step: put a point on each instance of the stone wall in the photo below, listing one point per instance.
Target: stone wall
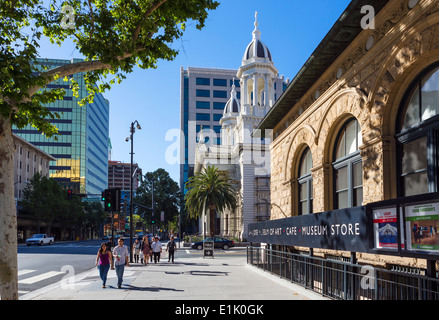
(367, 83)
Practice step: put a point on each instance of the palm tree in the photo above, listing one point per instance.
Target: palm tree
(209, 190)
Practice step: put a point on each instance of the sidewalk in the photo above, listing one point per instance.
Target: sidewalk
(194, 278)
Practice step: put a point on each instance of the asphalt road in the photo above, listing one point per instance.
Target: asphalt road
(40, 266)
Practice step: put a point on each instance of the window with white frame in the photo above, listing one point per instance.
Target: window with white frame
(348, 169)
(418, 135)
(305, 183)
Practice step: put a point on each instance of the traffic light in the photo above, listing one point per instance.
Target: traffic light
(116, 199)
(111, 198)
(106, 197)
(69, 194)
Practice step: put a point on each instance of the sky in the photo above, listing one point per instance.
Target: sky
(292, 30)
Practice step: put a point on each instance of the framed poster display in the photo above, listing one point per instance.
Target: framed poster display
(422, 223)
(385, 227)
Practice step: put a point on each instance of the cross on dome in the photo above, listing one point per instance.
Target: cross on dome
(256, 32)
(257, 49)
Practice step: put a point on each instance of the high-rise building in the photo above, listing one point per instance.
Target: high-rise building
(119, 175)
(81, 148)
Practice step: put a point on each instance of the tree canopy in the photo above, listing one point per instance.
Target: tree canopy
(46, 202)
(167, 196)
(113, 36)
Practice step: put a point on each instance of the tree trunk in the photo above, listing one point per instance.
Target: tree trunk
(8, 215)
(212, 222)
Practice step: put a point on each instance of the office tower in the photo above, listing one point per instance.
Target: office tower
(81, 148)
(119, 175)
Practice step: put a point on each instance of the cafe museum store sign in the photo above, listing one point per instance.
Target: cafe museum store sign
(344, 229)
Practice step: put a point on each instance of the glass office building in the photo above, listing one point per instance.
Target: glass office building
(81, 148)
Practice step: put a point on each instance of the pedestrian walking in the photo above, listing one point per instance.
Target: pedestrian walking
(136, 250)
(146, 249)
(171, 247)
(110, 244)
(103, 261)
(156, 249)
(121, 255)
(150, 241)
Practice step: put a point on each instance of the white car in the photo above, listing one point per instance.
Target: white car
(40, 239)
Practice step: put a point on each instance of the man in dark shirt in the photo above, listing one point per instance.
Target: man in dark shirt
(171, 248)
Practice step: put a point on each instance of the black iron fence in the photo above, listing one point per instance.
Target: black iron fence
(344, 280)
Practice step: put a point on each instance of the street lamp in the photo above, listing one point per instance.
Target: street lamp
(132, 130)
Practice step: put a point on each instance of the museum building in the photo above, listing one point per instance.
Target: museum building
(355, 151)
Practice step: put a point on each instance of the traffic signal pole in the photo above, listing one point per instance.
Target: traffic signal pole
(131, 193)
(153, 208)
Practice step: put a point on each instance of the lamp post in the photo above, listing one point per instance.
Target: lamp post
(132, 130)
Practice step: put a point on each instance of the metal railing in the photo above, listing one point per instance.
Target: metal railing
(342, 280)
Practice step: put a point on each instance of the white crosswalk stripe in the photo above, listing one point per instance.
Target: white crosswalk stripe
(40, 277)
(25, 271)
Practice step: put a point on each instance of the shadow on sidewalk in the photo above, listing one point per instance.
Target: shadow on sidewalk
(151, 289)
(200, 273)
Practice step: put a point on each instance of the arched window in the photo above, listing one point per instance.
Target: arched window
(418, 135)
(348, 169)
(305, 183)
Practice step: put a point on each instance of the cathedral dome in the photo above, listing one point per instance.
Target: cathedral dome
(256, 48)
(232, 106)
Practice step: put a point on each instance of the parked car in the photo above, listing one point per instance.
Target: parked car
(218, 243)
(40, 239)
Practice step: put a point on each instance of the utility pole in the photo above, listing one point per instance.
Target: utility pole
(153, 207)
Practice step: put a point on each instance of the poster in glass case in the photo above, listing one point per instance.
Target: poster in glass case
(422, 223)
(385, 228)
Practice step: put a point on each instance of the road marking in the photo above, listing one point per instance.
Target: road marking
(40, 277)
(25, 271)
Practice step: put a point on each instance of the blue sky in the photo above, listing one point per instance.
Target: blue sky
(291, 29)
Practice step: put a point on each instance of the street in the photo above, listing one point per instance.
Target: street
(41, 266)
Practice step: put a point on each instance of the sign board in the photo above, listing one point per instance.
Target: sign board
(343, 229)
(91, 200)
(422, 223)
(208, 247)
(385, 227)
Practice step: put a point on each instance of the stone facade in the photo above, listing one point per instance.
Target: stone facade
(367, 81)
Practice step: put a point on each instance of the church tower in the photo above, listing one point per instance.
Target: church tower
(228, 122)
(257, 76)
(242, 153)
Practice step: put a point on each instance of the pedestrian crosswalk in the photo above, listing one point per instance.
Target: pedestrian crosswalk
(29, 277)
(25, 276)
(39, 277)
